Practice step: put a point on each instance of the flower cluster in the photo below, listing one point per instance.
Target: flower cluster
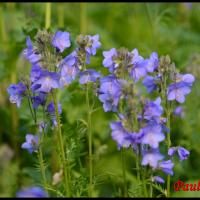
(50, 71)
(142, 122)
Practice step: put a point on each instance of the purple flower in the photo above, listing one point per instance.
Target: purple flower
(119, 134)
(135, 139)
(151, 158)
(152, 135)
(46, 82)
(61, 40)
(51, 111)
(158, 179)
(89, 75)
(172, 151)
(93, 44)
(108, 59)
(181, 87)
(31, 143)
(166, 167)
(69, 70)
(150, 83)
(42, 126)
(35, 73)
(152, 63)
(153, 109)
(178, 111)
(186, 78)
(32, 192)
(139, 66)
(51, 108)
(39, 100)
(16, 92)
(88, 44)
(183, 153)
(31, 55)
(109, 93)
(177, 91)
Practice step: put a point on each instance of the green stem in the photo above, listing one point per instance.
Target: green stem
(151, 190)
(168, 144)
(42, 167)
(145, 185)
(83, 12)
(2, 25)
(40, 154)
(61, 148)
(138, 166)
(89, 142)
(60, 9)
(123, 158)
(48, 15)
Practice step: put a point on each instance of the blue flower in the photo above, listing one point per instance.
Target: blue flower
(42, 126)
(39, 100)
(150, 83)
(61, 40)
(178, 111)
(88, 44)
(186, 78)
(36, 192)
(135, 138)
(172, 151)
(109, 93)
(152, 63)
(177, 91)
(16, 92)
(30, 53)
(89, 75)
(51, 108)
(51, 112)
(181, 87)
(119, 134)
(139, 66)
(166, 167)
(35, 73)
(31, 143)
(93, 44)
(158, 179)
(183, 153)
(46, 82)
(152, 135)
(69, 70)
(151, 158)
(153, 110)
(108, 59)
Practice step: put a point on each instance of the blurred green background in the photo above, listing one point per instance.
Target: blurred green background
(167, 28)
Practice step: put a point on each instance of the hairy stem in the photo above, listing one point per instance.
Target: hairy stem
(145, 185)
(89, 142)
(138, 166)
(151, 190)
(123, 158)
(40, 153)
(42, 166)
(61, 148)
(168, 144)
